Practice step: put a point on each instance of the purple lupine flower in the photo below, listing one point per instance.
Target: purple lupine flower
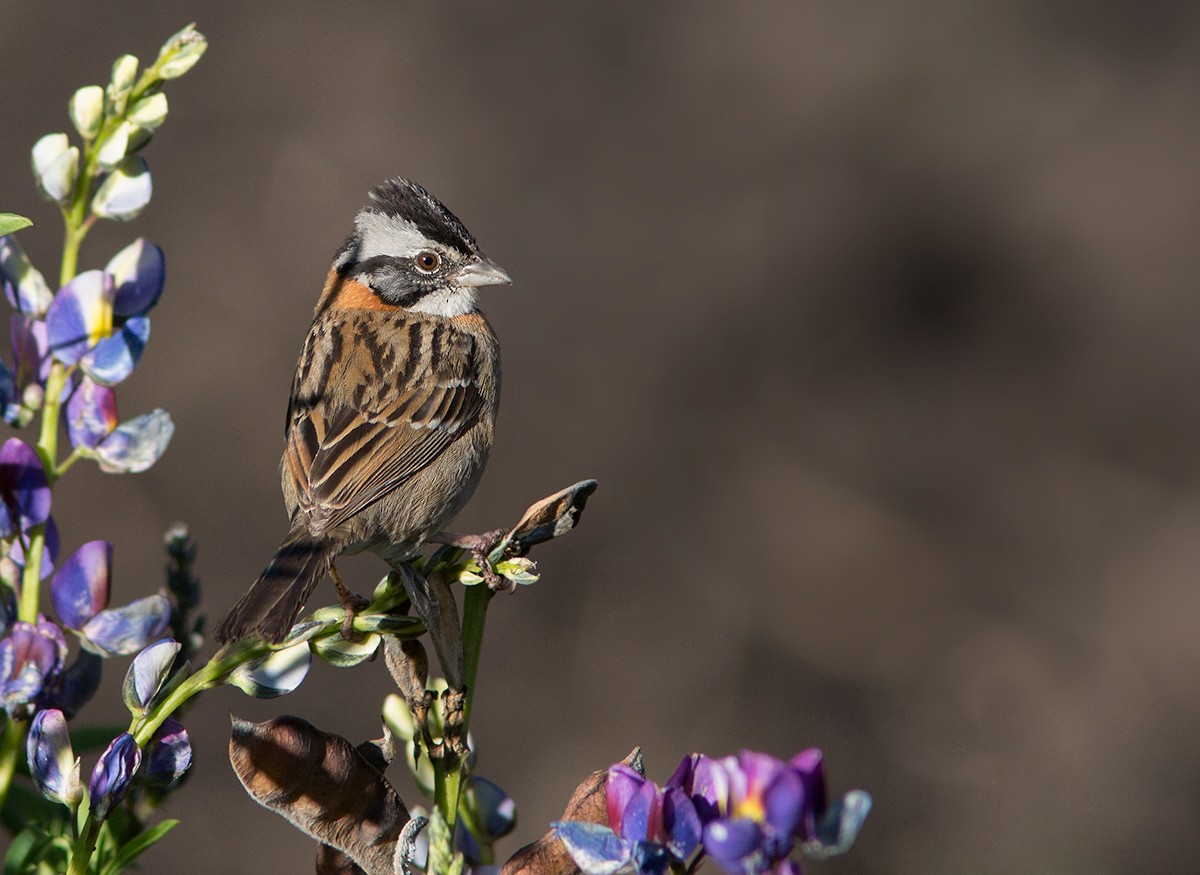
(650, 828)
(763, 809)
(24, 489)
(132, 446)
(113, 775)
(496, 813)
(31, 658)
(79, 593)
(98, 320)
(52, 762)
(168, 755)
(8, 610)
(24, 284)
(31, 352)
(138, 272)
(755, 809)
(828, 828)
(496, 809)
(75, 685)
(10, 399)
(22, 391)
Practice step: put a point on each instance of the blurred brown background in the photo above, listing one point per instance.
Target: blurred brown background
(876, 322)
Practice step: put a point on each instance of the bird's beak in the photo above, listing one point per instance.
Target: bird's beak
(482, 271)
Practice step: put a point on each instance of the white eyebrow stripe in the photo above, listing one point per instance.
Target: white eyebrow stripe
(381, 234)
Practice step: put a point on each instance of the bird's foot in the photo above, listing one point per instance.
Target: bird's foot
(351, 603)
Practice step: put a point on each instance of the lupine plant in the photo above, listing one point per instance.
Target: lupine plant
(71, 347)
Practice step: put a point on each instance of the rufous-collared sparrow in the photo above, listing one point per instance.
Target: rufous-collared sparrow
(393, 405)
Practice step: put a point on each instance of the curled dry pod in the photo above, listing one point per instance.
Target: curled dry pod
(322, 785)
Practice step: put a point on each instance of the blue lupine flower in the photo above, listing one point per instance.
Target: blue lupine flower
(168, 755)
(113, 775)
(31, 658)
(98, 320)
(79, 593)
(52, 762)
(650, 828)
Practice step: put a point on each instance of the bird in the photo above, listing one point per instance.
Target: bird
(393, 406)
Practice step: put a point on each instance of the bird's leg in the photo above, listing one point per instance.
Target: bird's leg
(351, 602)
(479, 547)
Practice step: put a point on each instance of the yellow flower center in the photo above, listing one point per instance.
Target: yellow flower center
(751, 808)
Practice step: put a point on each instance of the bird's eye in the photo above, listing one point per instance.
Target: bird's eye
(428, 261)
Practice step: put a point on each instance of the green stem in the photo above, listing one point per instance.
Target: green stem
(47, 448)
(10, 746)
(210, 675)
(475, 604)
(51, 411)
(31, 578)
(447, 783)
(67, 463)
(81, 854)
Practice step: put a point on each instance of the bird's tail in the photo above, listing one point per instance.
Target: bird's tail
(271, 605)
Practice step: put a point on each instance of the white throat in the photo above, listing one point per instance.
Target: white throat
(446, 302)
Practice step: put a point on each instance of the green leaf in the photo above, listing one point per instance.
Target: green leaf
(25, 850)
(135, 848)
(10, 222)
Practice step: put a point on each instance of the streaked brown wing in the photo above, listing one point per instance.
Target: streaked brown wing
(377, 420)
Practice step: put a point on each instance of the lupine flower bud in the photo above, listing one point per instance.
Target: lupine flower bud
(113, 774)
(181, 52)
(10, 573)
(115, 147)
(33, 396)
(149, 112)
(52, 762)
(169, 753)
(125, 192)
(274, 675)
(124, 76)
(87, 110)
(147, 674)
(56, 166)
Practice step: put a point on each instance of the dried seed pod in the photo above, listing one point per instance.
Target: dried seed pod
(323, 786)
